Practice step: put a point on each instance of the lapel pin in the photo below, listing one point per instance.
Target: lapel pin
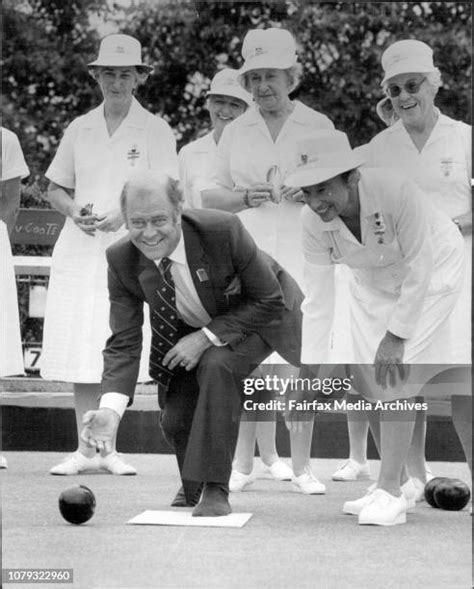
(202, 275)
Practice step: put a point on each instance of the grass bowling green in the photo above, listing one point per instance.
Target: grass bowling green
(292, 540)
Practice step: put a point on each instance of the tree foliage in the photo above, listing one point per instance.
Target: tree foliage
(47, 44)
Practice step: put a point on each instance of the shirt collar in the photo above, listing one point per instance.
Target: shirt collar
(205, 144)
(178, 255)
(399, 126)
(253, 117)
(134, 116)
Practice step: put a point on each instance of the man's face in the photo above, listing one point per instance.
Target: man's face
(153, 223)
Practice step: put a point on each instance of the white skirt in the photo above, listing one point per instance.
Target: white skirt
(461, 316)
(76, 325)
(11, 356)
(428, 352)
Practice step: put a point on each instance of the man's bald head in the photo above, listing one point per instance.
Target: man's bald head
(156, 185)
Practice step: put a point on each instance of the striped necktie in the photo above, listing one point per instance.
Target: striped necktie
(164, 325)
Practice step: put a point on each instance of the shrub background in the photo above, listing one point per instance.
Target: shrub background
(47, 44)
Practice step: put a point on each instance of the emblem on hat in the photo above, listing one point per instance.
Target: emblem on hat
(120, 49)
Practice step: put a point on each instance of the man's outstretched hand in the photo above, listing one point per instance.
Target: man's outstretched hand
(100, 428)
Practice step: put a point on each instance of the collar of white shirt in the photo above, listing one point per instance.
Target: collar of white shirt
(253, 117)
(95, 118)
(178, 255)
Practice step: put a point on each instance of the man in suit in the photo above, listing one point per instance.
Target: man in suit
(224, 306)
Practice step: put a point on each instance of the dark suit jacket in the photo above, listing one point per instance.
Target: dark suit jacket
(243, 290)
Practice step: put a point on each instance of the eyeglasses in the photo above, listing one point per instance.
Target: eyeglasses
(410, 86)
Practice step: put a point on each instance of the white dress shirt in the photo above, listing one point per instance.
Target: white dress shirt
(245, 153)
(11, 355)
(190, 310)
(195, 165)
(403, 282)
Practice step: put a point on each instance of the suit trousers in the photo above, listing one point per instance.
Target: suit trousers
(201, 414)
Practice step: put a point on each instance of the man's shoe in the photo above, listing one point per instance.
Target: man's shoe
(238, 481)
(384, 510)
(3, 461)
(181, 501)
(214, 501)
(76, 463)
(352, 471)
(279, 471)
(308, 484)
(115, 464)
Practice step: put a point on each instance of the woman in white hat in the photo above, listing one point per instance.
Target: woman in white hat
(97, 153)
(407, 264)
(226, 100)
(434, 150)
(13, 169)
(254, 154)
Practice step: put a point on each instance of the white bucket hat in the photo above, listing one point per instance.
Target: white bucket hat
(323, 156)
(225, 83)
(270, 48)
(407, 57)
(120, 51)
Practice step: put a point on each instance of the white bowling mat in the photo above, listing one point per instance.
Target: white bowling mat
(184, 518)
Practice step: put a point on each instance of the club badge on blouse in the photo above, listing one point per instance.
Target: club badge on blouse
(379, 227)
(133, 154)
(447, 165)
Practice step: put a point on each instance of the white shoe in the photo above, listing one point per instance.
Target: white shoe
(308, 484)
(115, 464)
(384, 510)
(355, 507)
(419, 489)
(76, 463)
(238, 481)
(280, 471)
(409, 491)
(429, 473)
(352, 471)
(3, 461)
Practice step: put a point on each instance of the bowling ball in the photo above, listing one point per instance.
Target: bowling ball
(452, 494)
(77, 504)
(430, 489)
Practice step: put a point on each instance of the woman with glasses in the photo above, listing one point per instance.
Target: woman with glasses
(434, 151)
